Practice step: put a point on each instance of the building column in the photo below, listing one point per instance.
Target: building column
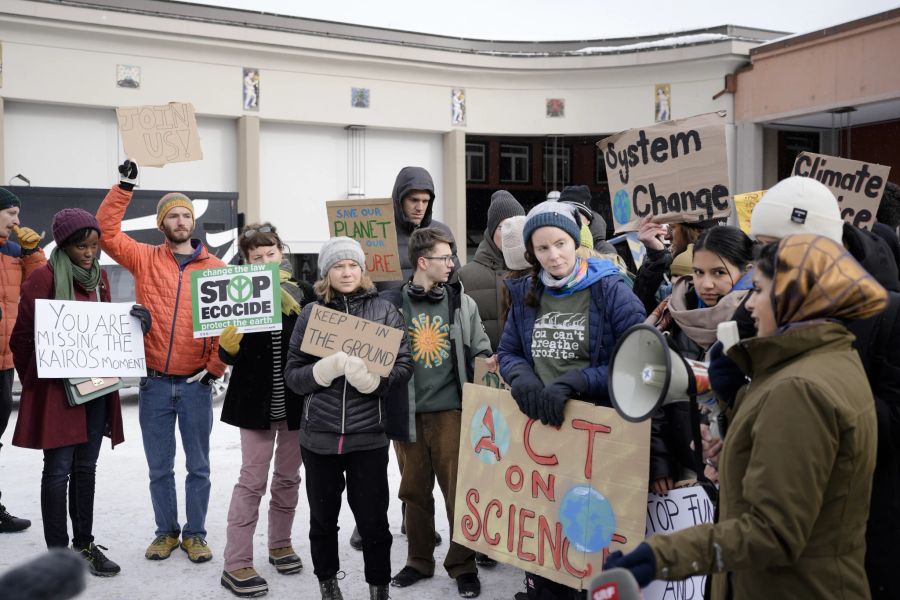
(356, 161)
(748, 158)
(454, 192)
(2, 144)
(248, 168)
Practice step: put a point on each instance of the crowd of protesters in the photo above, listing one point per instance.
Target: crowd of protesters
(805, 469)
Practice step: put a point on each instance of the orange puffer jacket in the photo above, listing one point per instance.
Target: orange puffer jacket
(164, 287)
(14, 269)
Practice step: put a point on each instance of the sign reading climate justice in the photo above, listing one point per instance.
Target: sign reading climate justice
(676, 171)
(371, 223)
(857, 185)
(156, 135)
(330, 331)
(246, 296)
(87, 339)
(554, 502)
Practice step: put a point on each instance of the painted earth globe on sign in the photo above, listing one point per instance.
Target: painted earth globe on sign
(587, 518)
(621, 207)
(489, 435)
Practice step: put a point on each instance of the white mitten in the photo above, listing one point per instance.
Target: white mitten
(329, 368)
(357, 374)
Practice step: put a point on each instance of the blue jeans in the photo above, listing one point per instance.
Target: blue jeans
(162, 401)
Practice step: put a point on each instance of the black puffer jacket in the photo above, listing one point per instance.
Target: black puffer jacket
(878, 344)
(339, 409)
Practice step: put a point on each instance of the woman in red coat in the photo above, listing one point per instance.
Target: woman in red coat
(69, 436)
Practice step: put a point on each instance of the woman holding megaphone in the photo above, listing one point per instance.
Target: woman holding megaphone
(798, 459)
(689, 317)
(563, 322)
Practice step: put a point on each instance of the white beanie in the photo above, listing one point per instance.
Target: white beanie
(797, 205)
(513, 243)
(337, 249)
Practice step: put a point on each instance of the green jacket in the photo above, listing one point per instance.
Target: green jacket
(795, 475)
(482, 278)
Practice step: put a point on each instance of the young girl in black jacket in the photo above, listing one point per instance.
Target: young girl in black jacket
(268, 414)
(342, 432)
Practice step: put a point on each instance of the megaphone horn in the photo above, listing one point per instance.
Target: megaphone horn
(645, 373)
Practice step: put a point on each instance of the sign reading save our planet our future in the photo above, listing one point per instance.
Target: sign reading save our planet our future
(371, 223)
(246, 296)
(554, 502)
(675, 171)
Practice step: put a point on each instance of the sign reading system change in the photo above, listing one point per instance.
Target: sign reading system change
(246, 296)
(676, 171)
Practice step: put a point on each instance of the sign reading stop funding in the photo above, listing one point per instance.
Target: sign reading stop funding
(246, 296)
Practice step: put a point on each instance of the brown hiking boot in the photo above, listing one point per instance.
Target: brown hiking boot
(196, 549)
(285, 560)
(161, 547)
(244, 583)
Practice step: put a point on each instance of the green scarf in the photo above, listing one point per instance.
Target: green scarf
(291, 294)
(65, 273)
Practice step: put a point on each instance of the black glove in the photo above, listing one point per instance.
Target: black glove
(526, 391)
(128, 172)
(724, 376)
(639, 561)
(555, 395)
(204, 377)
(141, 313)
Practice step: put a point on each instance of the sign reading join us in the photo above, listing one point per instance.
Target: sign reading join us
(676, 171)
(371, 223)
(157, 135)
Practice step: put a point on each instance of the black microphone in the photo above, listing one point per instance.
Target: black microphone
(56, 575)
(615, 584)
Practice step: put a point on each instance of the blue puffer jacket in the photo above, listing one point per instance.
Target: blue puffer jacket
(613, 309)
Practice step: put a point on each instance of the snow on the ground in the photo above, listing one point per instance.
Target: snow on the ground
(123, 522)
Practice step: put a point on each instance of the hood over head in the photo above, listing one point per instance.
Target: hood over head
(408, 180)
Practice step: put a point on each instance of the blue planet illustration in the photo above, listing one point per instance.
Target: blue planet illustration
(587, 518)
(621, 207)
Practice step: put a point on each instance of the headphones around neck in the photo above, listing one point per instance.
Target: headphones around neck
(417, 292)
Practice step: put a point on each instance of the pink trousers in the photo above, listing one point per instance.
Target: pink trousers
(257, 448)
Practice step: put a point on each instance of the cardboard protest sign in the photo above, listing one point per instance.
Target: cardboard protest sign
(857, 185)
(679, 509)
(330, 331)
(371, 223)
(676, 171)
(744, 205)
(246, 296)
(553, 502)
(484, 376)
(157, 135)
(87, 339)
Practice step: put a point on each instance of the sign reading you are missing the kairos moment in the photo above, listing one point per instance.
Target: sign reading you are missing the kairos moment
(676, 171)
(246, 296)
(87, 339)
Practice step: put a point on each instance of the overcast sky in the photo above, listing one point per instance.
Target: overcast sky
(569, 19)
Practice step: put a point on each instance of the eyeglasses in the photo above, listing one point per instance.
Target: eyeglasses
(447, 259)
(249, 232)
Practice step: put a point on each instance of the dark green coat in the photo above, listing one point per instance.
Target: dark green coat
(795, 475)
(481, 280)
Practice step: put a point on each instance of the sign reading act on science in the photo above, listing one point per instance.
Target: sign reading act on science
(676, 171)
(246, 296)
(554, 502)
(87, 339)
(857, 185)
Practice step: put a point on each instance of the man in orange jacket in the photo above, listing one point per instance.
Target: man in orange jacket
(17, 261)
(180, 368)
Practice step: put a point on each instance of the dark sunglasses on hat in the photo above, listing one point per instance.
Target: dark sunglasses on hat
(250, 232)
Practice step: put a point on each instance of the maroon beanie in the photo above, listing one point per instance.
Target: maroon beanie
(69, 220)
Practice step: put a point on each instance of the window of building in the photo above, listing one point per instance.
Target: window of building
(557, 165)
(599, 167)
(515, 163)
(476, 171)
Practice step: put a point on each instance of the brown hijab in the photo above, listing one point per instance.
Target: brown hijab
(816, 278)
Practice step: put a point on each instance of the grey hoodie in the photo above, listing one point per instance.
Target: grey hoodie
(411, 179)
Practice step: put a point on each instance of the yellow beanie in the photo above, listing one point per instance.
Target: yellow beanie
(587, 238)
(170, 201)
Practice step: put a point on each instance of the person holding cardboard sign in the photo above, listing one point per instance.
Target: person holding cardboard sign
(70, 436)
(180, 367)
(346, 414)
(564, 320)
(268, 415)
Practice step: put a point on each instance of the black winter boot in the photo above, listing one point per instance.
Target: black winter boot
(11, 524)
(378, 592)
(330, 589)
